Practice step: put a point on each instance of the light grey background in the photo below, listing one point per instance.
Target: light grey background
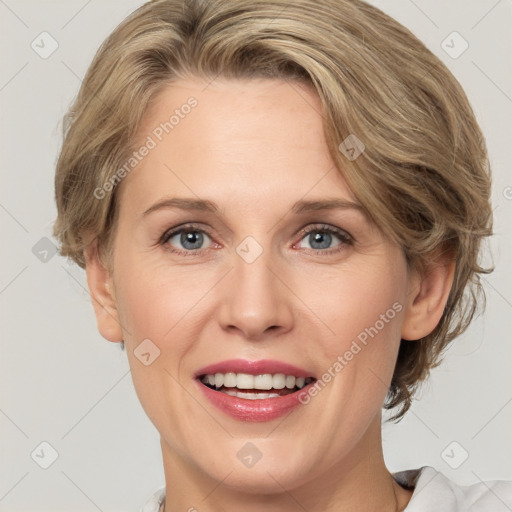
(61, 383)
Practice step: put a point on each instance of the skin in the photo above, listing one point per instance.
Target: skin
(255, 147)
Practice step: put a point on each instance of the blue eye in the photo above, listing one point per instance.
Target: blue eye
(321, 238)
(190, 239)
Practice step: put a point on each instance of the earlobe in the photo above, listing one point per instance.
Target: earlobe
(427, 299)
(103, 299)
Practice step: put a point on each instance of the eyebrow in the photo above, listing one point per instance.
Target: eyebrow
(301, 206)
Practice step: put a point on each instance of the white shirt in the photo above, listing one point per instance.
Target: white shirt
(433, 492)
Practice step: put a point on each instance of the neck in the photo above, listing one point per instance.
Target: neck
(359, 481)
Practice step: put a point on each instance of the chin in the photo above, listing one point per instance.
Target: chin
(263, 479)
(258, 466)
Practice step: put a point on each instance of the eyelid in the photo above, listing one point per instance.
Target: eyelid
(187, 226)
(345, 235)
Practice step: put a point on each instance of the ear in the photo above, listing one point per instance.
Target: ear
(100, 285)
(428, 294)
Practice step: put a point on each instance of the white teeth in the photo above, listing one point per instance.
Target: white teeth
(230, 380)
(278, 381)
(250, 396)
(244, 381)
(290, 381)
(262, 382)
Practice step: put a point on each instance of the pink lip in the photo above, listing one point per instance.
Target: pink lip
(260, 367)
(244, 409)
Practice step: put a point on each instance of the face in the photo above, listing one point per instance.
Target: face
(227, 261)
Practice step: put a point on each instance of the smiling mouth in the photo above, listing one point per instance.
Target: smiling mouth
(255, 387)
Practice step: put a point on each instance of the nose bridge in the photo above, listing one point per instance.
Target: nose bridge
(255, 299)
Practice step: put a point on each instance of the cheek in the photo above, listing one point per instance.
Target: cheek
(363, 309)
(153, 297)
(360, 302)
(157, 307)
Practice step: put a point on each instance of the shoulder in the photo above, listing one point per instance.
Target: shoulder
(155, 502)
(434, 491)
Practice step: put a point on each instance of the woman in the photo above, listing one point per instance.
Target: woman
(279, 207)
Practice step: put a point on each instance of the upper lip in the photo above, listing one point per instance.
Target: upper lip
(260, 367)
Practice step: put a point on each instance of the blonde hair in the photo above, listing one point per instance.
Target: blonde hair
(423, 177)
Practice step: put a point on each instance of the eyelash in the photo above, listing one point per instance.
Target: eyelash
(345, 238)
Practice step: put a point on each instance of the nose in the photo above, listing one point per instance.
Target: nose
(256, 303)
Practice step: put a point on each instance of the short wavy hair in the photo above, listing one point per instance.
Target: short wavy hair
(423, 178)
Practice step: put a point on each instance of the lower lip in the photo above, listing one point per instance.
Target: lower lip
(258, 410)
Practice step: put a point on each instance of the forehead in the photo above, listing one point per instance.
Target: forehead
(253, 140)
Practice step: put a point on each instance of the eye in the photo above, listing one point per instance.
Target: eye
(190, 239)
(321, 238)
(186, 239)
